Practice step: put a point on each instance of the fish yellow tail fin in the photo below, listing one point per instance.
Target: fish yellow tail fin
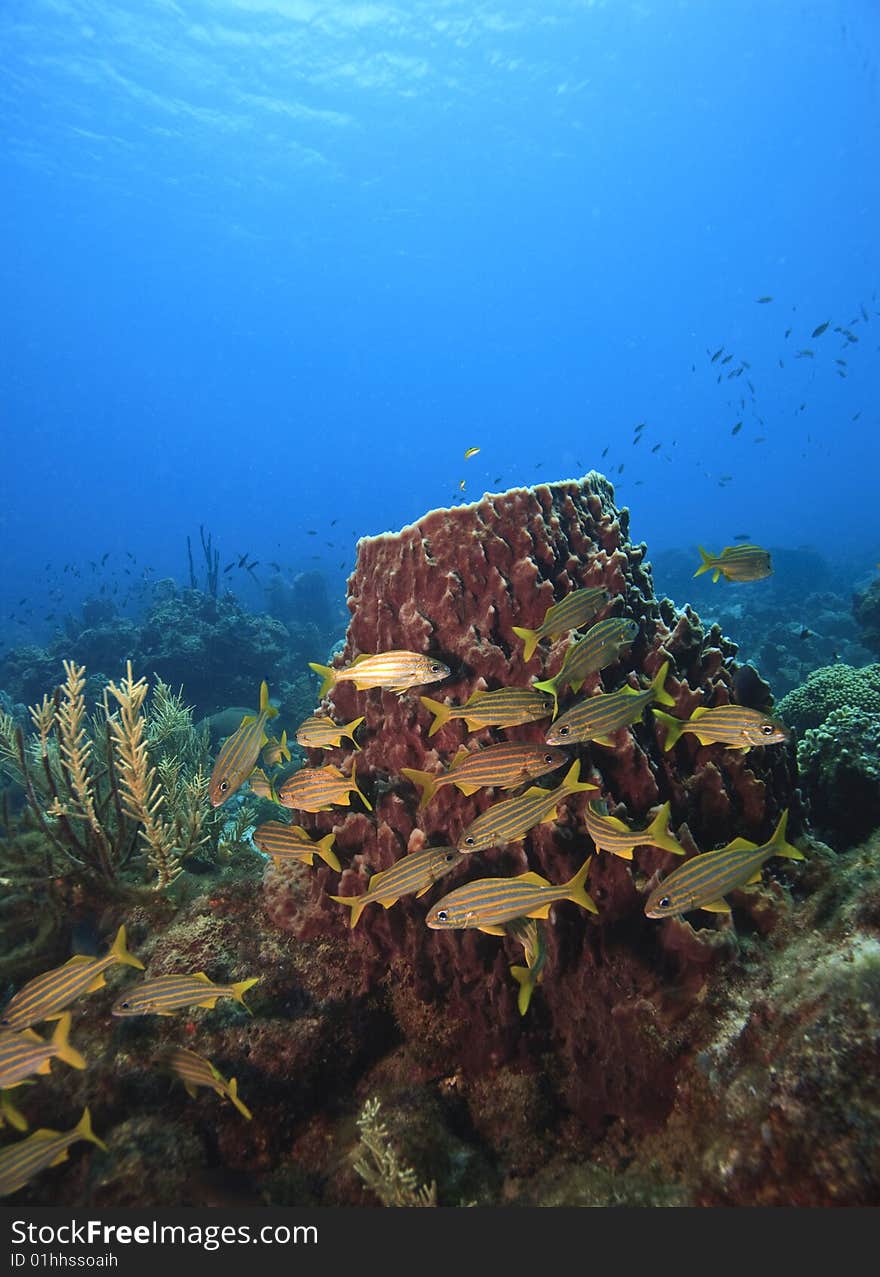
(9, 1113)
(661, 696)
(239, 1104)
(708, 564)
(360, 793)
(350, 728)
(241, 987)
(526, 982)
(265, 707)
(63, 1049)
(674, 727)
(324, 849)
(660, 834)
(120, 952)
(529, 638)
(328, 674)
(83, 1130)
(572, 782)
(442, 713)
(550, 686)
(355, 904)
(782, 847)
(283, 750)
(424, 781)
(575, 890)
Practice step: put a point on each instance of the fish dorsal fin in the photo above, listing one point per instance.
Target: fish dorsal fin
(460, 755)
(741, 844)
(699, 712)
(535, 791)
(78, 959)
(299, 831)
(363, 657)
(533, 877)
(201, 977)
(44, 1133)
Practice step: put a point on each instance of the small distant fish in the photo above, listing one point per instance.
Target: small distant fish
(736, 563)
(704, 880)
(461, 485)
(569, 613)
(735, 726)
(316, 732)
(319, 789)
(762, 301)
(727, 359)
(528, 933)
(604, 452)
(817, 332)
(195, 1071)
(413, 874)
(489, 903)
(502, 766)
(603, 644)
(597, 718)
(718, 353)
(396, 671)
(20, 1162)
(470, 452)
(656, 447)
(742, 536)
(291, 842)
(805, 354)
(737, 428)
(165, 994)
(276, 751)
(504, 707)
(238, 757)
(24, 1054)
(611, 834)
(510, 820)
(788, 332)
(43, 997)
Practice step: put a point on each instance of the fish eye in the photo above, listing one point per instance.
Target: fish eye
(767, 729)
(564, 730)
(5, 1020)
(123, 1006)
(224, 785)
(436, 667)
(469, 842)
(450, 855)
(548, 758)
(664, 902)
(442, 916)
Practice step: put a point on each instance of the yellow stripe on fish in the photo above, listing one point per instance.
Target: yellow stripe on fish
(238, 757)
(503, 766)
(736, 563)
(603, 644)
(489, 903)
(322, 733)
(24, 1054)
(292, 842)
(704, 880)
(46, 995)
(395, 671)
(413, 874)
(166, 994)
(505, 707)
(735, 726)
(530, 935)
(195, 1071)
(20, 1162)
(319, 789)
(568, 614)
(511, 820)
(612, 835)
(597, 718)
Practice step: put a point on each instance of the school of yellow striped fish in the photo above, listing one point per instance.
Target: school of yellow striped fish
(512, 907)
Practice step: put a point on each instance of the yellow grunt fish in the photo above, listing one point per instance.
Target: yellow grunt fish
(195, 1071)
(413, 874)
(396, 671)
(166, 994)
(20, 1162)
(704, 880)
(505, 707)
(735, 726)
(292, 842)
(504, 766)
(23, 1054)
(276, 751)
(529, 934)
(736, 563)
(568, 614)
(238, 757)
(319, 789)
(323, 733)
(596, 718)
(510, 820)
(261, 785)
(489, 903)
(612, 835)
(602, 645)
(44, 997)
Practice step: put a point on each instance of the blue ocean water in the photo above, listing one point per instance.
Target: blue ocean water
(271, 266)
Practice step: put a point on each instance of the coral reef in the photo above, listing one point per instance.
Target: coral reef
(829, 688)
(866, 611)
(839, 763)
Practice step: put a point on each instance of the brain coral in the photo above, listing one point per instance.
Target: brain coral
(832, 687)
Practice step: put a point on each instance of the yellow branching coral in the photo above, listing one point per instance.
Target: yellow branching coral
(379, 1166)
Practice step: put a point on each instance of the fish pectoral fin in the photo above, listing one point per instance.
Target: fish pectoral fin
(716, 906)
(493, 931)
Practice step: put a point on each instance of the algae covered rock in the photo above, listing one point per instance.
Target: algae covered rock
(840, 768)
